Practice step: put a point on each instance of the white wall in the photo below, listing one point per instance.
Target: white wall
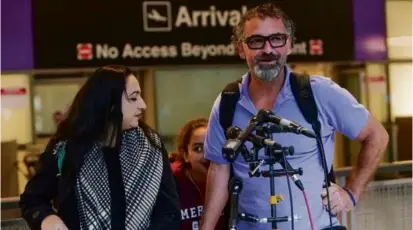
(49, 98)
(399, 29)
(183, 94)
(16, 116)
(401, 89)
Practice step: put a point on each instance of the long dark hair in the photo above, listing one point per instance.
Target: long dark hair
(96, 107)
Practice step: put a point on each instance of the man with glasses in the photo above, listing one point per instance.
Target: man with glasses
(264, 38)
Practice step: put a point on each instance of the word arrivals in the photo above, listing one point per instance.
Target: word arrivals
(208, 18)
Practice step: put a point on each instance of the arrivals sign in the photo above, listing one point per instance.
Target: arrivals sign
(93, 33)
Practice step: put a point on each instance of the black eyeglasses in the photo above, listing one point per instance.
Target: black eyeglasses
(256, 42)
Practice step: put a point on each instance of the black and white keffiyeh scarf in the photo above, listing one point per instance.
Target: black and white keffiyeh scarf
(141, 165)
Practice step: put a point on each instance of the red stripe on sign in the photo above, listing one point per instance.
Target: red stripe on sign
(13, 91)
(377, 79)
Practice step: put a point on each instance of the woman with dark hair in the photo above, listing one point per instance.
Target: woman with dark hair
(190, 169)
(104, 168)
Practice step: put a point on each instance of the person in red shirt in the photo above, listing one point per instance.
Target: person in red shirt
(190, 169)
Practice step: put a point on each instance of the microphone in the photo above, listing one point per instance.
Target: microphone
(286, 165)
(267, 115)
(233, 145)
(260, 141)
(235, 187)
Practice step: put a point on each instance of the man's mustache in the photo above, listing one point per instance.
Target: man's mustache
(267, 57)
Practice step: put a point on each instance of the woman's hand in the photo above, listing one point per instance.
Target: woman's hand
(53, 222)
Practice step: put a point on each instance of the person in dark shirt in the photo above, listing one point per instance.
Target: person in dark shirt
(104, 168)
(190, 169)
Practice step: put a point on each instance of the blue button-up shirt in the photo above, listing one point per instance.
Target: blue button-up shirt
(338, 111)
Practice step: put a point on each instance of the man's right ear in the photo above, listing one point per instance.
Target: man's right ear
(240, 50)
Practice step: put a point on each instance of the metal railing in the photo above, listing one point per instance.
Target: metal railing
(394, 189)
(10, 203)
(379, 200)
(15, 222)
(398, 166)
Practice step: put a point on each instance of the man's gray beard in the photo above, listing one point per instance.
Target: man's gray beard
(266, 74)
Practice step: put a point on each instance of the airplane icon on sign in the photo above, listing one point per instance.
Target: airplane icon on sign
(157, 16)
(154, 15)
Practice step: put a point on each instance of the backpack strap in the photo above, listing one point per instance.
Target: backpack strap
(303, 94)
(229, 99)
